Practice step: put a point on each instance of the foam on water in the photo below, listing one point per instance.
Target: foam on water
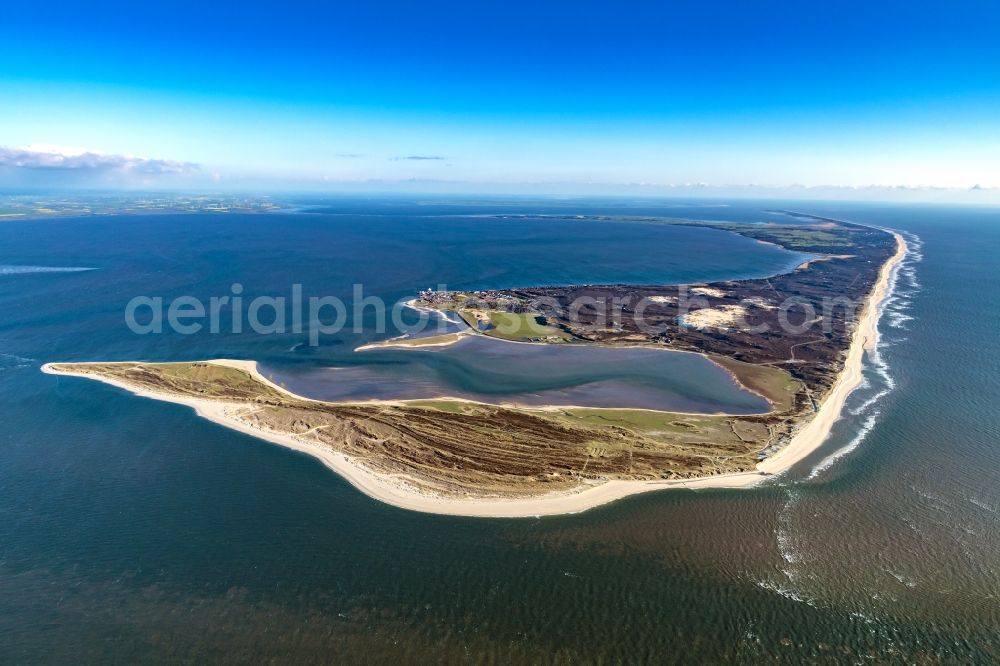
(793, 558)
(785, 538)
(982, 505)
(866, 427)
(900, 578)
(877, 378)
(6, 269)
(903, 286)
(785, 592)
(13, 361)
(863, 407)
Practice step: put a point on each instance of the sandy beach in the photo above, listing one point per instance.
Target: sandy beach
(812, 434)
(397, 492)
(444, 340)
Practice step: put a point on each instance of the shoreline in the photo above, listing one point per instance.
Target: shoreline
(470, 333)
(396, 492)
(811, 435)
(399, 494)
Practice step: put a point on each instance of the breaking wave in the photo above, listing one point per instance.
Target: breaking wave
(903, 286)
(866, 427)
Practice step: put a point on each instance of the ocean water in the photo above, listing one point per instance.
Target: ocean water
(132, 530)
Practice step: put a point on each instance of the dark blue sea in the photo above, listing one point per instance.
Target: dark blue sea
(134, 531)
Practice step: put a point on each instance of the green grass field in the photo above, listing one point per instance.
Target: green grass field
(511, 326)
(775, 384)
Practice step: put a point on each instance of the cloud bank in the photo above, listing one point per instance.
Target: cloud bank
(40, 157)
(45, 166)
(418, 158)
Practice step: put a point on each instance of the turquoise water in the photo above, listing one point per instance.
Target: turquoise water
(132, 530)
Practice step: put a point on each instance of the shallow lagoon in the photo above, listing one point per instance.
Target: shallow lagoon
(500, 372)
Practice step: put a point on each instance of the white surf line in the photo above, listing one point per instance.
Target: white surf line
(831, 459)
(878, 363)
(813, 434)
(9, 269)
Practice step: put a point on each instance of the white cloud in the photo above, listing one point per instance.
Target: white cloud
(418, 158)
(47, 157)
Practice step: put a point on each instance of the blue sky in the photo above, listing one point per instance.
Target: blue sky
(577, 94)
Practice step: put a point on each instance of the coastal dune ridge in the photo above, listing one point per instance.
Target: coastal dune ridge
(399, 491)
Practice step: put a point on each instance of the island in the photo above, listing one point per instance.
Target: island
(461, 457)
